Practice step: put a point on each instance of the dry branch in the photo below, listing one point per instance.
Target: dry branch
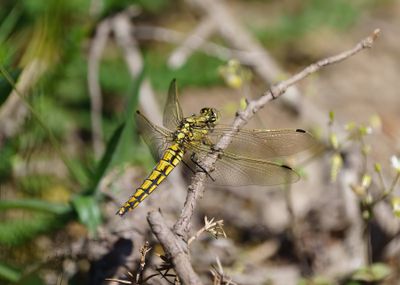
(192, 43)
(123, 30)
(97, 46)
(174, 247)
(146, 32)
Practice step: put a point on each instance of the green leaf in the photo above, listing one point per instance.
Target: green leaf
(88, 211)
(5, 86)
(32, 279)
(126, 149)
(120, 139)
(200, 70)
(8, 273)
(8, 24)
(372, 273)
(106, 159)
(15, 232)
(35, 205)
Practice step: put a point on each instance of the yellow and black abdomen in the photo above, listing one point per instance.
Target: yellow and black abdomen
(171, 158)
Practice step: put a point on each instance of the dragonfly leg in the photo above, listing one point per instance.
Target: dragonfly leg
(217, 150)
(194, 160)
(188, 166)
(213, 147)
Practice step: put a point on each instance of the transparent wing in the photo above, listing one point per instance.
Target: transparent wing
(231, 170)
(235, 170)
(172, 110)
(158, 139)
(264, 144)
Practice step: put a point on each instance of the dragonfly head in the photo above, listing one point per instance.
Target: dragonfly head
(211, 115)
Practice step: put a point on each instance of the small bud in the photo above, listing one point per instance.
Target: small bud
(366, 180)
(334, 141)
(358, 190)
(378, 167)
(243, 103)
(336, 165)
(368, 199)
(234, 74)
(331, 117)
(366, 215)
(350, 126)
(396, 206)
(366, 149)
(375, 122)
(364, 130)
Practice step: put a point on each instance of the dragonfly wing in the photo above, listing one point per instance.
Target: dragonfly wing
(265, 144)
(172, 111)
(158, 139)
(230, 170)
(236, 170)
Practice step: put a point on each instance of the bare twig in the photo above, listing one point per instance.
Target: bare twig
(123, 30)
(195, 39)
(174, 247)
(196, 188)
(145, 32)
(214, 228)
(95, 51)
(219, 277)
(143, 251)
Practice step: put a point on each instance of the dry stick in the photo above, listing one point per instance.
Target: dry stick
(196, 188)
(145, 32)
(124, 31)
(195, 39)
(97, 46)
(174, 247)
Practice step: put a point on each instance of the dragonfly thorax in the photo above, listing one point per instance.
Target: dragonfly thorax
(195, 127)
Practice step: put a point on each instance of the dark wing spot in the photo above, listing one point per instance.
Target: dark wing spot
(300, 131)
(285, 166)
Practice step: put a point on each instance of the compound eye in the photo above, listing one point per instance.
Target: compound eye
(203, 111)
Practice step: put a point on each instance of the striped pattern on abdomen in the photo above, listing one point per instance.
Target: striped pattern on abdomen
(171, 158)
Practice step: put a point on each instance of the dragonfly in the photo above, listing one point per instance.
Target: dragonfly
(250, 159)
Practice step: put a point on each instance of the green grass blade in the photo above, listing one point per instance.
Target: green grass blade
(35, 205)
(121, 138)
(75, 175)
(9, 274)
(88, 211)
(14, 232)
(129, 139)
(9, 23)
(107, 158)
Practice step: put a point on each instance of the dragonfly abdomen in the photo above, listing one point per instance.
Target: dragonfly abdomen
(170, 159)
